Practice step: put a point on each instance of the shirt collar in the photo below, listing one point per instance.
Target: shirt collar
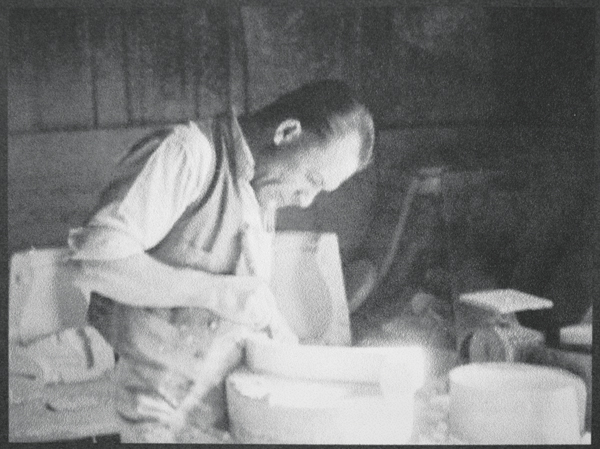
(243, 156)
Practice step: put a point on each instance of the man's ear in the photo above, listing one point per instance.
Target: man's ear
(287, 131)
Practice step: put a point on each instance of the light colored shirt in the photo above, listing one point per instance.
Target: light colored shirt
(161, 180)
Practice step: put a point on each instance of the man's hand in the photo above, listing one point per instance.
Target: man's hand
(275, 324)
(254, 262)
(278, 329)
(224, 354)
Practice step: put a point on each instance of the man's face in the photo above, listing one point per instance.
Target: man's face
(297, 171)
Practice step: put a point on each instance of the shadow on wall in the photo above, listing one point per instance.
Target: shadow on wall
(518, 210)
(533, 232)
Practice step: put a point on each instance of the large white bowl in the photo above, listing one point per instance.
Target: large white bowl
(336, 363)
(269, 409)
(516, 403)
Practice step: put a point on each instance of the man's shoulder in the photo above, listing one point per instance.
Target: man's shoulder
(203, 126)
(190, 142)
(194, 129)
(195, 136)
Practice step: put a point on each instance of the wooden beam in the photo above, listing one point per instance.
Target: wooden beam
(238, 62)
(106, 42)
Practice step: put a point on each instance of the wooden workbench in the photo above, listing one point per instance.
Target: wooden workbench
(31, 420)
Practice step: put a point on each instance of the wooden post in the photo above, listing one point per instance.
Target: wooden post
(238, 61)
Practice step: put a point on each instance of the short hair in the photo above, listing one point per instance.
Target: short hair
(325, 108)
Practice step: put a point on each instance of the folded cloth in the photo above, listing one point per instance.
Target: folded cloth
(72, 355)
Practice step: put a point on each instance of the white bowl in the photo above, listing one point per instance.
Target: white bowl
(269, 409)
(516, 403)
(335, 363)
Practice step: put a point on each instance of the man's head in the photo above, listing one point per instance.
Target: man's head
(311, 139)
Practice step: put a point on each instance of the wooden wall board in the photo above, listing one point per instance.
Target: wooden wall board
(211, 58)
(291, 46)
(55, 179)
(50, 68)
(21, 74)
(427, 65)
(352, 54)
(417, 65)
(238, 62)
(156, 66)
(62, 66)
(107, 43)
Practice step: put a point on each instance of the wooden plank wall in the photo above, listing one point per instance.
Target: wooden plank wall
(417, 66)
(74, 69)
(50, 76)
(77, 69)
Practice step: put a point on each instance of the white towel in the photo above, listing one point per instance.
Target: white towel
(72, 355)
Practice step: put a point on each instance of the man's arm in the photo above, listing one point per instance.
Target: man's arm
(141, 280)
(150, 189)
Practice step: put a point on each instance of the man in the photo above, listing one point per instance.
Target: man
(176, 254)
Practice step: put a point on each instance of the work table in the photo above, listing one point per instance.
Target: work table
(83, 410)
(31, 419)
